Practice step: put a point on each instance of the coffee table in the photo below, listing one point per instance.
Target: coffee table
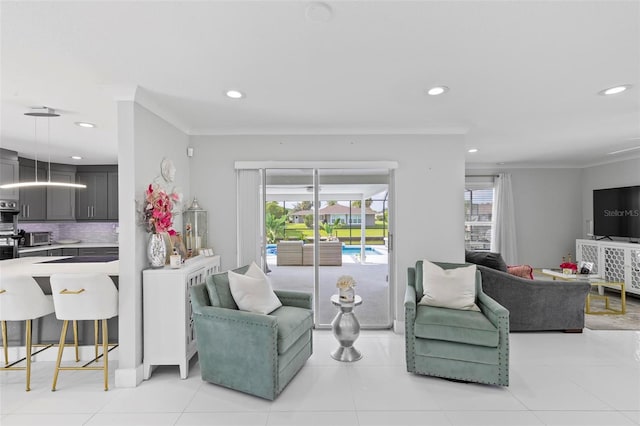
(595, 281)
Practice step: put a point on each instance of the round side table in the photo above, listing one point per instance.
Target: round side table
(346, 329)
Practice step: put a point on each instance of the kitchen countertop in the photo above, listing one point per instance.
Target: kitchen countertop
(59, 246)
(34, 267)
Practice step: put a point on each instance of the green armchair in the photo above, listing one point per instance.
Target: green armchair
(252, 353)
(456, 344)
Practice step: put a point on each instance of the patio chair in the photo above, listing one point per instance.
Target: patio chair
(330, 253)
(289, 253)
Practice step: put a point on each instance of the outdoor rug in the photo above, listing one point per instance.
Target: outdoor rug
(628, 321)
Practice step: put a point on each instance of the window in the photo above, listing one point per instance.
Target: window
(478, 212)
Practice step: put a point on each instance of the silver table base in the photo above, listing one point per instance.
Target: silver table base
(346, 329)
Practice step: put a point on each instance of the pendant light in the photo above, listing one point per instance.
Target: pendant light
(48, 113)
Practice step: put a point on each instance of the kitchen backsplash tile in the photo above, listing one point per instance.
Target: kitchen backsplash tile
(87, 232)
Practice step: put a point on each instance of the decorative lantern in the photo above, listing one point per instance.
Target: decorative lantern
(195, 228)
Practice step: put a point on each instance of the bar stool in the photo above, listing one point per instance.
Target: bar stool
(84, 297)
(22, 299)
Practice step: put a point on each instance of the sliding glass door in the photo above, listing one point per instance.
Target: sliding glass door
(320, 224)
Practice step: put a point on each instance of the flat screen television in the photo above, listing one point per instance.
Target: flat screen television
(616, 212)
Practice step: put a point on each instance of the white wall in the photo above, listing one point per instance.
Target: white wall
(548, 213)
(144, 139)
(429, 187)
(622, 173)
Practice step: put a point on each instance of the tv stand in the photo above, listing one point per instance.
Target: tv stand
(615, 261)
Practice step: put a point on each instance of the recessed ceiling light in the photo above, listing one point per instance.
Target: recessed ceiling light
(472, 150)
(76, 157)
(234, 94)
(615, 90)
(85, 124)
(437, 90)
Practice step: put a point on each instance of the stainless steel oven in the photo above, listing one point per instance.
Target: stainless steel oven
(9, 236)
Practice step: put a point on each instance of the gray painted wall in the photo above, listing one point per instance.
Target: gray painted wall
(144, 139)
(429, 188)
(553, 205)
(548, 219)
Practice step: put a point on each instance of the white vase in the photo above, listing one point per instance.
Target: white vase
(157, 251)
(347, 295)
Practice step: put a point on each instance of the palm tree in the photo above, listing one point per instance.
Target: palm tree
(274, 227)
(330, 227)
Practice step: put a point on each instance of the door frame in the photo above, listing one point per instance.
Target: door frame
(315, 166)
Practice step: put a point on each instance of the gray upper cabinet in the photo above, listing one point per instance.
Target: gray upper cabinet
(97, 201)
(9, 173)
(61, 202)
(112, 195)
(91, 203)
(33, 200)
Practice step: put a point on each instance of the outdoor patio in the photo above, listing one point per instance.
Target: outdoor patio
(371, 285)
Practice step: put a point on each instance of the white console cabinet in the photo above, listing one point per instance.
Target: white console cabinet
(615, 261)
(169, 337)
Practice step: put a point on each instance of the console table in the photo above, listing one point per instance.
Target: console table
(169, 337)
(614, 261)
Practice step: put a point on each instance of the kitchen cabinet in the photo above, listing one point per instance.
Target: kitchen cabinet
(97, 201)
(34, 253)
(112, 195)
(44, 252)
(169, 335)
(98, 251)
(33, 200)
(61, 201)
(9, 173)
(57, 250)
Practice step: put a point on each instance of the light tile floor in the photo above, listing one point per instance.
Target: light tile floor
(591, 378)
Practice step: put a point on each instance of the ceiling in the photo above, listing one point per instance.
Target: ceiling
(524, 76)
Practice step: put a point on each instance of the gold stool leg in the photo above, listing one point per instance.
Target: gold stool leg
(95, 337)
(63, 334)
(105, 353)
(28, 354)
(4, 343)
(75, 338)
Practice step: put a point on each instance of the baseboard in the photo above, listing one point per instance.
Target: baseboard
(128, 377)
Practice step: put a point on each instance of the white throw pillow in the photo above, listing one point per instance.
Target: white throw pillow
(252, 291)
(449, 288)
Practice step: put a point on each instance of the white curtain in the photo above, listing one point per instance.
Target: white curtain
(250, 217)
(504, 239)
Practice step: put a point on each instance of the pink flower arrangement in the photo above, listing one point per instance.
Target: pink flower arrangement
(158, 210)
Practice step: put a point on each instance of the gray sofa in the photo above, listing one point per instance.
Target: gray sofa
(535, 305)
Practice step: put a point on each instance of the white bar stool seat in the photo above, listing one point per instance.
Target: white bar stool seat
(22, 299)
(79, 297)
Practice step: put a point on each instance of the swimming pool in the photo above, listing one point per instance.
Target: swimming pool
(346, 250)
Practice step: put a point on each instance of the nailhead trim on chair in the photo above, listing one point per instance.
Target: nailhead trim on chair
(236, 321)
